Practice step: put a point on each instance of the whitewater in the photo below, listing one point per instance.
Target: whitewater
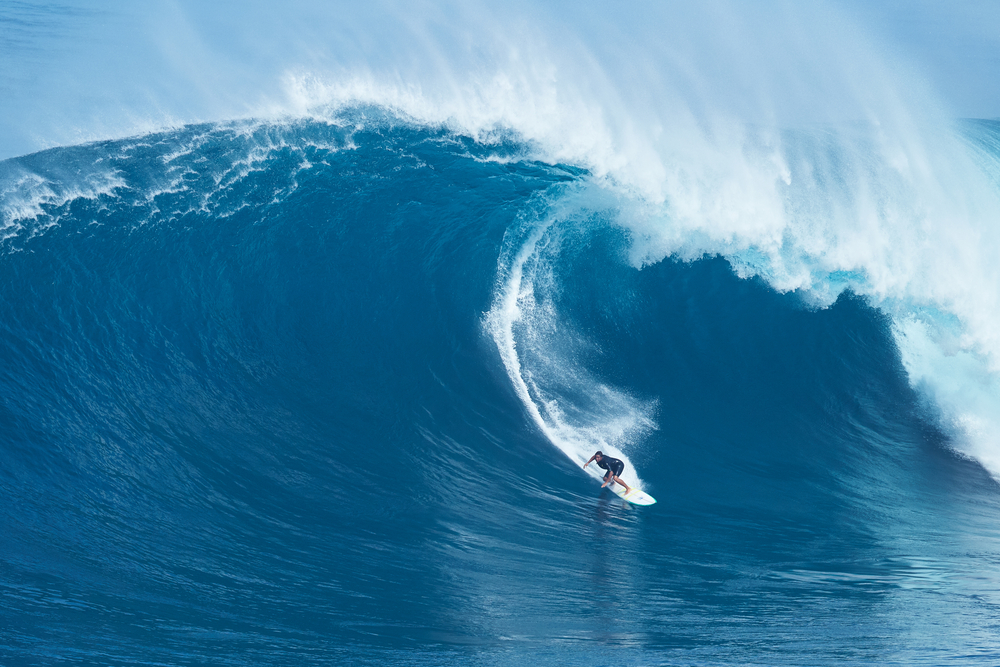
(309, 321)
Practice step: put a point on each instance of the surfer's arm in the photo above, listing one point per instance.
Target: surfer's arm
(588, 461)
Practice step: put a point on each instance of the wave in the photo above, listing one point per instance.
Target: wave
(822, 166)
(816, 213)
(864, 185)
(336, 365)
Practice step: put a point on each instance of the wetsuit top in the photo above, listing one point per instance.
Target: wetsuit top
(611, 463)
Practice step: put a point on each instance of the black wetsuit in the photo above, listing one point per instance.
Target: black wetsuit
(616, 466)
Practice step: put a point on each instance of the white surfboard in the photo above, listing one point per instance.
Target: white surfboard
(635, 496)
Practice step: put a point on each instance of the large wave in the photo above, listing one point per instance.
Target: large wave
(820, 168)
(781, 138)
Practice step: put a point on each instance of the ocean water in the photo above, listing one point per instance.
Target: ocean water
(319, 393)
(315, 386)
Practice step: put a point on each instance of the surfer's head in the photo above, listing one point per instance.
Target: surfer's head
(598, 455)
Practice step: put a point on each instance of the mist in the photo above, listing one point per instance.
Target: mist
(79, 71)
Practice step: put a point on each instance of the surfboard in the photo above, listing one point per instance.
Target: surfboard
(635, 496)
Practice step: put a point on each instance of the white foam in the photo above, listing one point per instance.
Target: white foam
(25, 198)
(963, 395)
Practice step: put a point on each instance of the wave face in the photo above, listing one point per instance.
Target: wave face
(318, 392)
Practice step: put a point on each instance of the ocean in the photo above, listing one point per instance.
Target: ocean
(316, 388)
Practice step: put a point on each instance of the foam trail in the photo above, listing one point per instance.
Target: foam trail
(524, 325)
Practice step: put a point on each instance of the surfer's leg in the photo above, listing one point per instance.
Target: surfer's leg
(619, 469)
(628, 489)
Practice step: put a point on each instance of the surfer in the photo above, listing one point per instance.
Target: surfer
(613, 466)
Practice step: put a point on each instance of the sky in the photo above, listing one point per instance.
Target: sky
(955, 45)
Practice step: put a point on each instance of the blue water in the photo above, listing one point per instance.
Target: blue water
(256, 409)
